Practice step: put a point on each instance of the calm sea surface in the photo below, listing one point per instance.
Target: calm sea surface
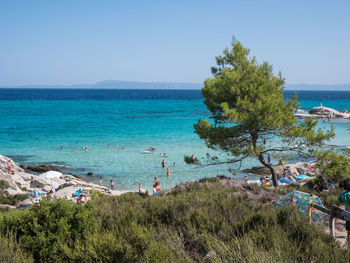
(35, 123)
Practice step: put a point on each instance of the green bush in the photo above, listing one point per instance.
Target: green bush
(204, 222)
(10, 251)
(11, 199)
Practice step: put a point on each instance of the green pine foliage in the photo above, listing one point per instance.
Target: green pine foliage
(333, 165)
(206, 221)
(250, 116)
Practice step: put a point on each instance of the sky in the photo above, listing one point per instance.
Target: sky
(64, 42)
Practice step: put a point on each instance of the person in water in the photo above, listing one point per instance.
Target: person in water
(165, 155)
(116, 147)
(111, 182)
(163, 163)
(174, 164)
(123, 148)
(76, 149)
(156, 180)
(168, 172)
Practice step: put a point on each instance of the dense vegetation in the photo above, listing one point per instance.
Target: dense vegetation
(203, 222)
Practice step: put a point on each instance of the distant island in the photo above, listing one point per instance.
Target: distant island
(120, 84)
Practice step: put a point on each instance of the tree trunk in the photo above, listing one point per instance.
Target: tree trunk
(269, 166)
(254, 136)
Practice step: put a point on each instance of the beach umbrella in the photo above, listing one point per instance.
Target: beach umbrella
(301, 200)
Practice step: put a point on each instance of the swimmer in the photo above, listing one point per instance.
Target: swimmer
(165, 155)
(123, 148)
(194, 158)
(174, 164)
(160, 154)
(108, 145)
(86, 150)
(168, 172)
(163, 163)
(76, 149)
(61, 147)
(116, 147)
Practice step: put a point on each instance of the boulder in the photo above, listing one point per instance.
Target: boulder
(42, 168)
(90, 174)
(263, 170)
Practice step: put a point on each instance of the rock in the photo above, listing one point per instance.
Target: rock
(24, 202)
(263, 170)
(8, 207)
(90, 174)
(42, 168)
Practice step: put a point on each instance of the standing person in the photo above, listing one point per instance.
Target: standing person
(344, 198)
(111, 183)
(163, 163)
(156, 180)
(9, 167)
(174, 164)
(100, 181)
(269, 157)
(168, 172)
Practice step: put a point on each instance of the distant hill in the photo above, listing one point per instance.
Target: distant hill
(119, 84)
(344, 87)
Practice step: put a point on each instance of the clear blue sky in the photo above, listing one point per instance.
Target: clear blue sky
(83, 41)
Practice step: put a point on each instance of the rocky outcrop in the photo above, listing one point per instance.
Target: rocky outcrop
(22, 182)
(41, 168)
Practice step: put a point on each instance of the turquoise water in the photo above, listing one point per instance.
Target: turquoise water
(34, 125)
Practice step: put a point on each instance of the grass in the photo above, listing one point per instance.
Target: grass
(204, 222)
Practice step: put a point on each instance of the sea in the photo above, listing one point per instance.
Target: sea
(54, 126)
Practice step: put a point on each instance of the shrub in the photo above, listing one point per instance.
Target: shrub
(10, 251)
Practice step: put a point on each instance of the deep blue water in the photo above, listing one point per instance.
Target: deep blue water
(35, 123)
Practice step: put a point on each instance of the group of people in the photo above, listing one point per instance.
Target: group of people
(156, 188)
(84, 148)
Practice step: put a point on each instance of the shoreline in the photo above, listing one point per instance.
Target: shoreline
(24, 181)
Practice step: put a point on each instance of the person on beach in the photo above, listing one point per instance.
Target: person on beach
(9, 167)
(158, 189)
(168, 172)
(163, 163)
(142, 191)
(246, 179)
(111, 183)
(344, 198)
(81, 200)
(100, 181)
(156, 181)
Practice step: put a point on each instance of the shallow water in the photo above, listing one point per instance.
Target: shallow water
(34, 124)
